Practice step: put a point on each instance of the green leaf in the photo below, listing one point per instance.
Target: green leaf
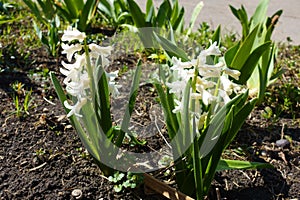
(171, 49)
(174, 12)
(118, 188)
(106, 7)
(217, 36)
(241, 15)
(75, 123)
(60, 92)
(103, 97)
(73, 7)
(239, 119)
(234, 11)
(197, 168)
(194, 16)
(185, 117)
(162, 14)
(212, 134)
(251, 62)
(244, 50)
(230, 54)
(259, 15)
(225, 164)
(137, 15)
(87, 14)
(178, 24)
(150, 11)
(167, 109)
(130, 105)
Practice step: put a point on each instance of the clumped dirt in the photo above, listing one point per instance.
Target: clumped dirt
(41, 157)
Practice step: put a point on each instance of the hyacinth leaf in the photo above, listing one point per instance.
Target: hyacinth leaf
(87, 12)
(194, 16)
(251, 62)
(91, 125)
(171, 36)
(83, 137)
(64, 13)
(221, 123)
(130, 106)
(229, 131)
(259, 15)
(244, 50)
(197, 166)
(225, 164)
(210, 162)
(166, 101)
(106, 7)
(179, 22)
(175, 12)
(241, 15)
(74, 7)
(271, 22)
(185, 116)
(229, 55)
(239, 118)
(150, 11)
(34, 8)
(103, 98)
(162, 13)
(171, 49)
(60, 92)
(137, 15)
(217, 35)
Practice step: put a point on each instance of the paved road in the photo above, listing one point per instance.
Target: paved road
(217, 12)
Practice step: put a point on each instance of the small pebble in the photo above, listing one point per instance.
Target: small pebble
(263, 153)
(282, 143)
(77, 194)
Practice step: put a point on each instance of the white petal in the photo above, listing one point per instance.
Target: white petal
(178, 107)
(207, 97)
(70, 50)
(73, 34)
(226, 84)
(75, 109)
(177, 87)
(233, 73)
(212, 50)
(100, 50)
(178, 65)
(224, 95)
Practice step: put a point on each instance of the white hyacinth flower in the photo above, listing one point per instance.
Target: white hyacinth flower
(71, 75)
(224, 96)
(177, 87)
(112, 86)
(207, 97)
(179, 65)
(75, 109)
(79, 63)
(70, 50)
(233, 73)
(73, 34)
(213, 50)
(78, 89)
(100, 50)
(77, 79)
(178, 108)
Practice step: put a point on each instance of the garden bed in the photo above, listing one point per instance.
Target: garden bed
(42, 157)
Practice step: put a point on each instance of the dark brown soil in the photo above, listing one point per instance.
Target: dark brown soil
(41, 156)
